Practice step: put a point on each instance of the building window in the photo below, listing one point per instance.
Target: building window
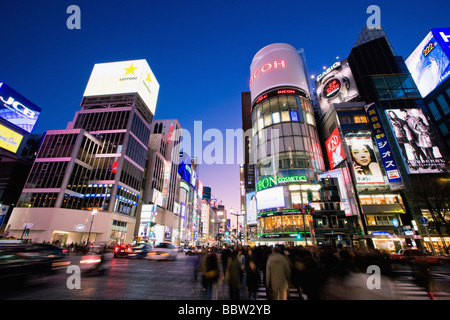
(443, 103)
(434, 110)
(444, 129)
(360, 119)
(395, 87)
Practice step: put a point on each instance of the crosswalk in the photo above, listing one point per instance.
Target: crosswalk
(402, 288)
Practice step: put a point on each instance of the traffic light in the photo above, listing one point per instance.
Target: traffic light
(299, 236)
(27, 232)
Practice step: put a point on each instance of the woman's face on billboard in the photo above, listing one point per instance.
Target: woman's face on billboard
(361, 155)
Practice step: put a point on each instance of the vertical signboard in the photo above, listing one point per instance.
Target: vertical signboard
(334, 149)
(384, 148)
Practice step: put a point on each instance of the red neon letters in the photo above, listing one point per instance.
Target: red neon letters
(265, 68)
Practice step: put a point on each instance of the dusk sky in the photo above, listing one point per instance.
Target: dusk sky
(200, 52)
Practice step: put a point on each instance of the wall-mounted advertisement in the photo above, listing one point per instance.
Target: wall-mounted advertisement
(365, 164)
(384, 148)
(270, 198)
(336, 85)
(429, 63)
(416, 142)
(250, 206)
(9, 139)
(124, 77)
(334, 149)
(157, 197)
(16, 109)
(346, 201)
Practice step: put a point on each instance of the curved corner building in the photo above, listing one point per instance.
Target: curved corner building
(286, 144)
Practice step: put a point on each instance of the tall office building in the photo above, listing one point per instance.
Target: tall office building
(87, 179)
(286, 147)
(372, 113)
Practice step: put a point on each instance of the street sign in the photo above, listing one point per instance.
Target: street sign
(423, 220)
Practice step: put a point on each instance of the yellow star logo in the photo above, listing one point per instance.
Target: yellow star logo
(148, 79)
(130, 70)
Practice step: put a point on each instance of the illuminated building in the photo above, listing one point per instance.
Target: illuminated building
(387, 103)
(96, 163)
(285, 145)
(160, 205)
(18, 145)
(429, 65)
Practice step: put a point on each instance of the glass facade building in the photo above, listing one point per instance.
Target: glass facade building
(286, 148)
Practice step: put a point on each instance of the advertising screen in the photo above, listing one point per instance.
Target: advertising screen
(250, 204)
(9, 139)
(124, 77)
(16, 109)
(429, 63)
(336, 85)
(334, 149)
(270, 198)
(416, 142)
(365, 164)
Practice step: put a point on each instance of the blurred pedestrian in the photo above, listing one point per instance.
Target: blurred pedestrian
(226, 253)
(233, 275)
(252, 278)
(212, 274)
(278, 275)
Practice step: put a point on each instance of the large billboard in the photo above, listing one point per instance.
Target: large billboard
(16, 109)
(334, 149)
(9, 139)
(416, 141)
(250, 206)
(124, 77)
(270, 198)
(429, 63)
(336, 85)
(387, 157)
(277, 65)
(365, 163)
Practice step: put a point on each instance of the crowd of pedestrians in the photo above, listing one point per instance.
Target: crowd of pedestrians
(315, 272)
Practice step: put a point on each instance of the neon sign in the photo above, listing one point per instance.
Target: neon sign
(272, 181)
(267, 67)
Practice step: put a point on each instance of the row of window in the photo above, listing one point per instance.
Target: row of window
(367, 199)
(395, 87)
(103, 120)
(57, 146)
(380, 220)
(46, 175)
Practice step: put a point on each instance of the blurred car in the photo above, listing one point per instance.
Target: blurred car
(140, 250)
(18, 266)
(407, 256)
(122, 250)
(96, 261)
(193, 250)
(163, 251)
(48, 249)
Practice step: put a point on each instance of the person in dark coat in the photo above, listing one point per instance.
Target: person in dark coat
(234, 276)
(252, 279)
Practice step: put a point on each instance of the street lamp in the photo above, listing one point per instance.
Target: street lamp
(90, 228)
(237, 222)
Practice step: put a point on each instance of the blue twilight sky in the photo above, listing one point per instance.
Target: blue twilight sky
(199, 50)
